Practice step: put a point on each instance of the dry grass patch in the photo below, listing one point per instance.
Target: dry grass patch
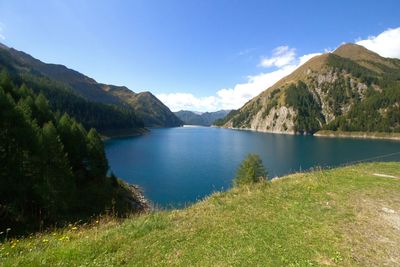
(374, 235)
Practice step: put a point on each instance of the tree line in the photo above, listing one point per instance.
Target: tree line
(52, 169)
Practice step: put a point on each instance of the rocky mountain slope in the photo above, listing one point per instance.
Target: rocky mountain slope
(88, 88)
(203, 119)
(350, 89)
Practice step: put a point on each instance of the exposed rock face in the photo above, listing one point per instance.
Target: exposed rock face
(278, 120)
(282, 117)
(136, 199)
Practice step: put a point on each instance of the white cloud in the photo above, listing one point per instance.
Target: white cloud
(303, 59)
(234, 98)
(282, 56)
(386, 44)
(186, 101)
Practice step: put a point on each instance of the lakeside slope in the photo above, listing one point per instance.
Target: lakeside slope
(347, 216)
(366, 135)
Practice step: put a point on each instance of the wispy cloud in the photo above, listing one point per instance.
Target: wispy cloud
(245, 51)
(282, 56)
(235, 97)
(386, 44)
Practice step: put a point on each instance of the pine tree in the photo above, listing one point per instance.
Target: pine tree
(79, 150)
(98, 165)
(251, 170)
(24, 91)
(25, 106)
(5, 82)
(42, 110)
(57, 186)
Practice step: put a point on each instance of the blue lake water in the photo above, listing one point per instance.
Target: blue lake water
(177, 166)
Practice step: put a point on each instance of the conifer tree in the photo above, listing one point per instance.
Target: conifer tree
(251, 170)
(5, 81)
(56, 186)
(42, 110)
(98, 164)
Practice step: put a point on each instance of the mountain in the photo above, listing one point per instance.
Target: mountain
(148, 107)
(198, 118)
(89, 89)
(350, 89)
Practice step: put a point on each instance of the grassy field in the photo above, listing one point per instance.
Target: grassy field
(342, 217)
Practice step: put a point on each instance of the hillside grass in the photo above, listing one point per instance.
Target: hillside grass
(341, 217)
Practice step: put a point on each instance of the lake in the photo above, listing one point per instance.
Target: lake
(177, 166)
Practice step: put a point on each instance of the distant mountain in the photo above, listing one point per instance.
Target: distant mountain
(148, 107)
(63, 98)
(198, 118)
(350, 89)
(86, 87)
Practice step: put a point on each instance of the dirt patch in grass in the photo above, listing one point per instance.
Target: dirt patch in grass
(385, 175)
(373, 236)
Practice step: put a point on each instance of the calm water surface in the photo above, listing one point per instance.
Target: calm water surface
(177, 166)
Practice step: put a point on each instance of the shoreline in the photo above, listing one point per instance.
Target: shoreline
(253, 130)
(123, 133)
(359, 135)
(331, 134)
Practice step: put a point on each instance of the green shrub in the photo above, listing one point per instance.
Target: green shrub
(251, 170)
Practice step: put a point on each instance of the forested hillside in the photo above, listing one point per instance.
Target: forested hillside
(52, 170)
(350, 89)
(62, 98)
(147, 107)
(105, 107)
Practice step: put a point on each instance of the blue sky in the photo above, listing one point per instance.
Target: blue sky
(191, 53)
